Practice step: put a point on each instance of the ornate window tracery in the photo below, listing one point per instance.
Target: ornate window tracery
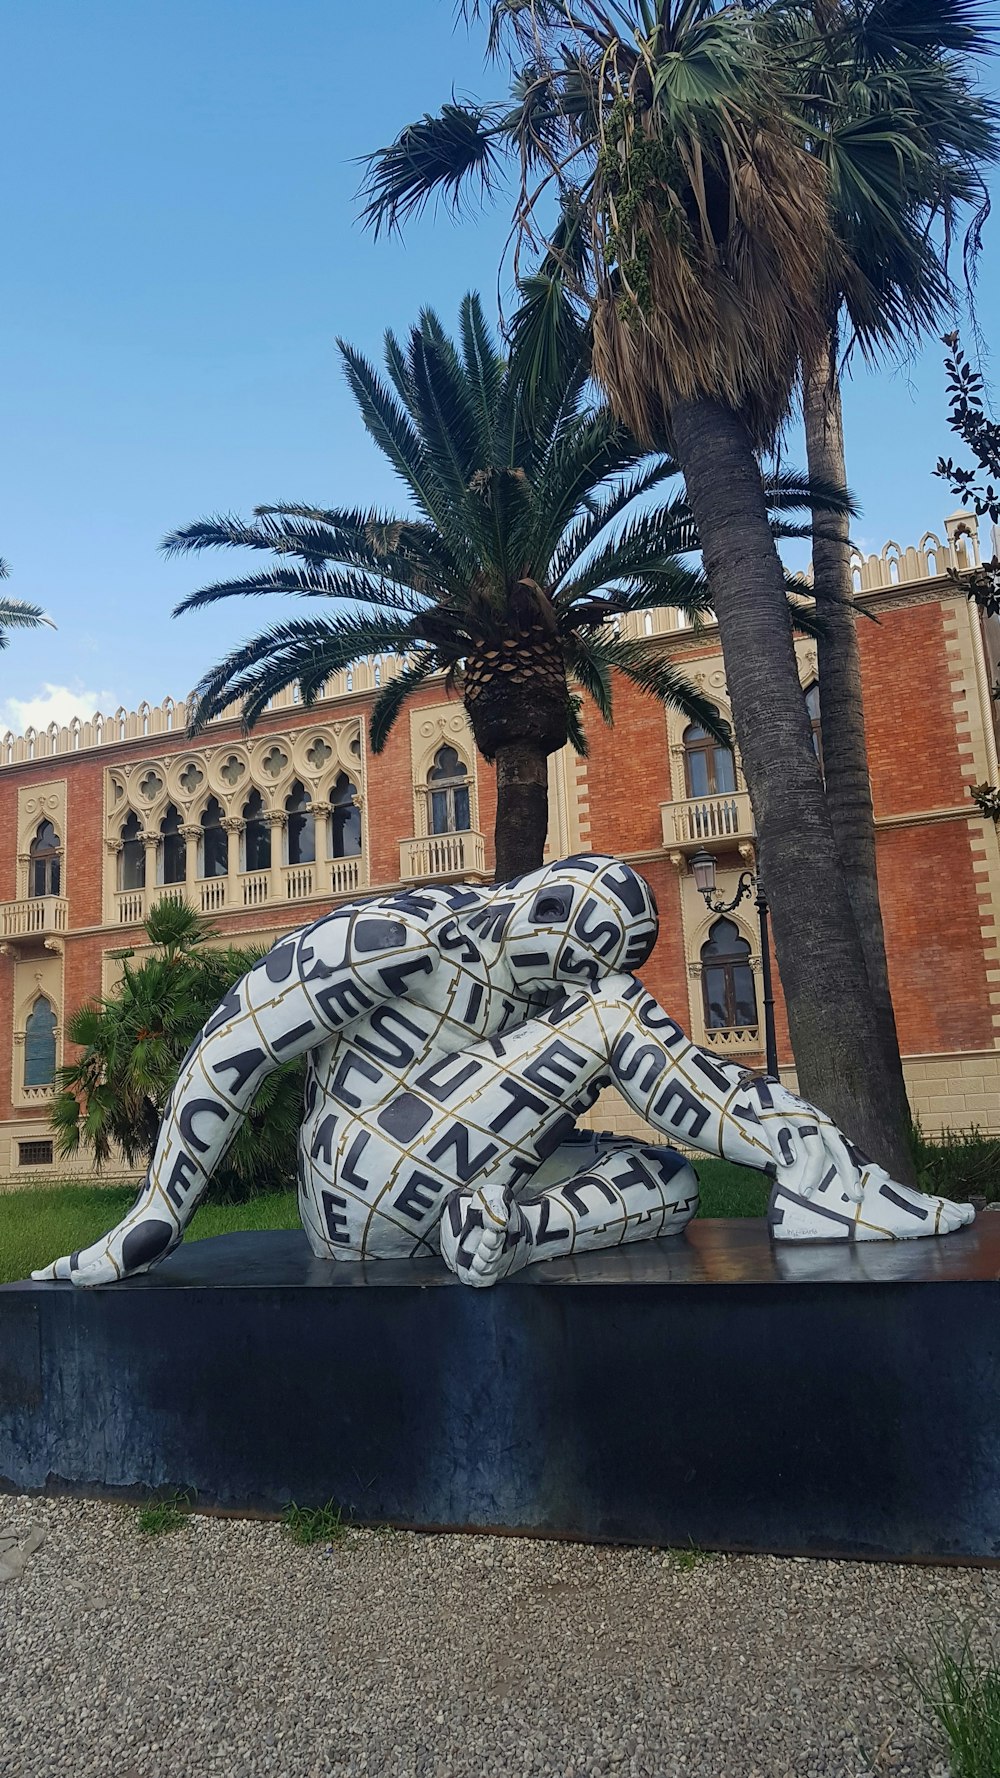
(727, 982)
(300, 825)
(345, 819)
(132, 856)
(275, 816)
(40, 1044)
(709, 769)
(173, 851)
(449, 783)
(214, 841)
(256, 834)
(44, 861)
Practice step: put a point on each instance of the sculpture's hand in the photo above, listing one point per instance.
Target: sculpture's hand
(476, 1231)
(139, 1241)
(809, 1150)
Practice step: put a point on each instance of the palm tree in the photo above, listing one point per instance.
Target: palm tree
(131, 1044)
(17, 614)
(901, 135)
(527, 539)
(674, 131)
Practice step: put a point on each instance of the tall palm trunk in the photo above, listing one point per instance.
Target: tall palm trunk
(522, 808)
(517, 702)
(845, 756)
(835, 1035)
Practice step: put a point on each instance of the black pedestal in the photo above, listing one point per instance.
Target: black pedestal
(707, 1389)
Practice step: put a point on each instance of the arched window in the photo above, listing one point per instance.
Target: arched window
(709, 769)
(43, 868)
(727, 979)
(345, 820)
(811, 695)
(132, 857)
(40, 1045)
(449, 788)
(214, 841)
(256, 834)
(173, 851)
(301, 825)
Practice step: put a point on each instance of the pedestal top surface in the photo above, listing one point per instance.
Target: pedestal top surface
(717, 1251)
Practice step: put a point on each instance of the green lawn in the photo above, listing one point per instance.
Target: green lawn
(41, 1222)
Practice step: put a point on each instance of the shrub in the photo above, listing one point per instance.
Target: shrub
(132, 1044)
(960, 1164)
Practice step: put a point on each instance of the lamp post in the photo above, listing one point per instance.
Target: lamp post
(703, 872)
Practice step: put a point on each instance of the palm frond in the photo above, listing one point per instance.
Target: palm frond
(18, 614)
(311, 648)
(306, 583)
(649, 669)
(604, 509)
(393, 696)
(436, 157)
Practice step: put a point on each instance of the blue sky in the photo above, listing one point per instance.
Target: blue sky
(180, 252)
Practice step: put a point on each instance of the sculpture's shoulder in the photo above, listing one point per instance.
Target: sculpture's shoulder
(368, 933)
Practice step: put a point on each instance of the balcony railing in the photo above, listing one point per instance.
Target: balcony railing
(35, 917)
(442, 855)
(247, 889)
(700, 820)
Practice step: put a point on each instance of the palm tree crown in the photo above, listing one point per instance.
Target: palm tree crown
(528, 541)
(507, 572)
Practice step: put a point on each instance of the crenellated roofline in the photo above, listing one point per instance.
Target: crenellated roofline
(931, 559)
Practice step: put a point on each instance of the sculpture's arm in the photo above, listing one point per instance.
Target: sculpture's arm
(309, 987)
(710, 1104)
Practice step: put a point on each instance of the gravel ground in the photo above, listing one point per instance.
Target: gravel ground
(223, 1648)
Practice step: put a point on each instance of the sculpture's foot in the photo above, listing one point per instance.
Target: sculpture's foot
(886, 1212)
(483, 1236)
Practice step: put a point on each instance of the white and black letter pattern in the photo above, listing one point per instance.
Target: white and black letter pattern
(454, 1035)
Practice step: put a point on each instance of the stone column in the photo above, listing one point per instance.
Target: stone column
(234, 827)
(275, 819)
(321, 825)
(113, 847)
(192, 834)
(150, 843)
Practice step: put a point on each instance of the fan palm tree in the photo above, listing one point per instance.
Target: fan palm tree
(674, 130)
(17, 614)
(520, 550)
(901, 135)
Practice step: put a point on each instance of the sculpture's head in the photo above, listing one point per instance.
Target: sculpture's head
(576, 921)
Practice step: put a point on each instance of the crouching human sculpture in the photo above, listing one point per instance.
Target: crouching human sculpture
(454, 1035)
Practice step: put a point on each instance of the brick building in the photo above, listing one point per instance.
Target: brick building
(101, 819)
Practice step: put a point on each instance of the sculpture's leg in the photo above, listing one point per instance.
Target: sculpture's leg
(627, 1193)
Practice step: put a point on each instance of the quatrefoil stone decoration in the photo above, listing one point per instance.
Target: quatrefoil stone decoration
(191, 778)
(319, 753)
(274, 762)
(232, 771)
(151, 786)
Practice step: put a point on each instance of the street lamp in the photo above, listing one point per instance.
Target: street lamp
(703, 872)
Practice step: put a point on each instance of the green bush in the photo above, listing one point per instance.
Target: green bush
(959, 1164)
(133, 1041)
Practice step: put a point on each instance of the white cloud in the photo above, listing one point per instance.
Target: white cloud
(54, 703)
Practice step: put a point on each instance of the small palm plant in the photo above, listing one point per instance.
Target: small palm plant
(529, 535)
(132, 1042)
